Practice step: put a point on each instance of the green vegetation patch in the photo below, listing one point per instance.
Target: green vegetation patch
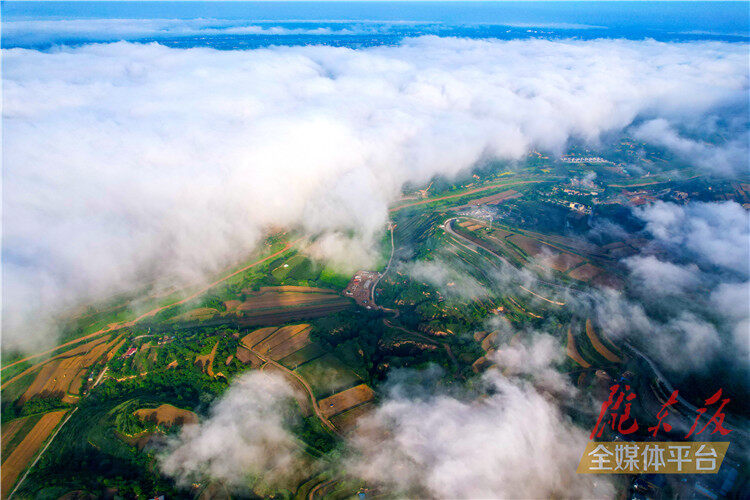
(297, 267)
(16, 389)
(329, 277)
(89, 455)
(304, 355)
(328, 375)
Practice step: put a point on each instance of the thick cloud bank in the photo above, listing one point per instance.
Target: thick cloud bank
(688, 290)
(709, 244)
(245, 442)
(128, 163)
(513, 442)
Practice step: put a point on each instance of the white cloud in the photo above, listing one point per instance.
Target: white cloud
(713, 233)
(509, 439)
(59, 30)
(245, 442)
(127, 163)
(511, 443)
(345, 254)
(725, 158)
(687, 343)
(732, 303)
(536, 357)
(690, 304)
(662, 278)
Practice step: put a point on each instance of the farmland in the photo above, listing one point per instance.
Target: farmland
(598, 345)
(346, 400)
(460, 194)
(475, 269)
(522, 248)
(267, 305)
(572, 351)
(167, 415)
(20, 456)
(327, 375)
(347, 420)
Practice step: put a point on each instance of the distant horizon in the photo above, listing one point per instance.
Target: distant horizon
(375, 248)
(375, 1)
(240, 24)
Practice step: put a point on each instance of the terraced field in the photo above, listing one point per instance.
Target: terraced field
(24, 452)
(291, 347)
(599, 345)
(167, 414)
(572, 351)
(302, 356)
(522, 249)
(348, 419)
(284, 341)
(63, 374)
(327, 375)
(345, 400)
(272, 299)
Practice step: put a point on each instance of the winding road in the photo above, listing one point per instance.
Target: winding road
(472, 245)
(304, 383)
(735, 427)
(395, 313)
(380, 276)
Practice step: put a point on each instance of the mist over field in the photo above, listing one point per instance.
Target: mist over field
(507, 437)
(155, 151)
(245, 439)
(127, 164)
(510, 440)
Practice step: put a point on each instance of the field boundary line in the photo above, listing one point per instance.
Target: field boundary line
(39, 454)
(307, 387)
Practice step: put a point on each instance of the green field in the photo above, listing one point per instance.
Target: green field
(327, 375)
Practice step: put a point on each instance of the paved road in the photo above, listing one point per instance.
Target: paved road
(447, 227)
(395, 313)
(390, 260)
(680, 400)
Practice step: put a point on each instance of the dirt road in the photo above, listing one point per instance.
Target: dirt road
(304, 383)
